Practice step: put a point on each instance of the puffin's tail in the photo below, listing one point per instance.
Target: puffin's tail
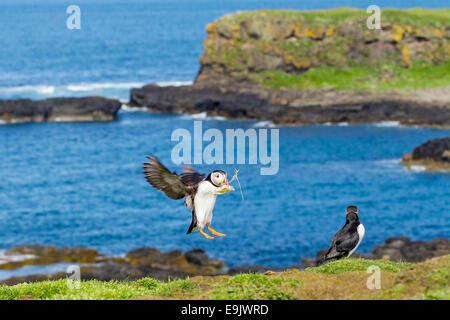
(331, 255)
(193, 223)
(325, 260)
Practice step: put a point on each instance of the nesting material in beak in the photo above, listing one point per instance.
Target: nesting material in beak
(225, 188)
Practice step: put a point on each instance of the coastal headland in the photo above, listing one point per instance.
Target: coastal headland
(296, 67)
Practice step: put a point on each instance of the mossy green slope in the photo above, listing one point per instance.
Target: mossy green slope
(331, 49)
(344, 279)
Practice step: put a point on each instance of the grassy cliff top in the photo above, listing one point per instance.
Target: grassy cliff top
(344, 279)
(331, 49)
(414, 16)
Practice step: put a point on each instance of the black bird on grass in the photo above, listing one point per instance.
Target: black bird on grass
(346, 240)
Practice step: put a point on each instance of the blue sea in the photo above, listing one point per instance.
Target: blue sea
(81, 184)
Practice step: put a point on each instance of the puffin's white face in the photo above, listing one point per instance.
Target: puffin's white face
(219, 178)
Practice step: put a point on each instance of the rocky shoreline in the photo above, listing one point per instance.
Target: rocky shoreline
(59, 110)
(246, 100)
(433, 155)
(150, 262)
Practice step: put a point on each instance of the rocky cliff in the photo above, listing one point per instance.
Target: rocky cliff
(269, 44)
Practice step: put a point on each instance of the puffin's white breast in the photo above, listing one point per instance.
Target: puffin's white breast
(204, 202)
(361, 231)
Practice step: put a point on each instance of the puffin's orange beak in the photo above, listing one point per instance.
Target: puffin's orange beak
(226, 181)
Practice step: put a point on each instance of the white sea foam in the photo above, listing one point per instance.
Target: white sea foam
(341, 124)
(417, 168)
(120, 88)
(41, 89)
(102, 86)
(14, 258)
(127, 108)
(389, 162)
(202, 116)
(264, 124)
(174, 83)
(387, 124)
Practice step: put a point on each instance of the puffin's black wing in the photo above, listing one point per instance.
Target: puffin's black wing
(191, 177)
(162, 179)
(348, 244)
(343, 242)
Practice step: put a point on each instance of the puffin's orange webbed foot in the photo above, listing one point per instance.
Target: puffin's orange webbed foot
(206, 235)
(214, 232)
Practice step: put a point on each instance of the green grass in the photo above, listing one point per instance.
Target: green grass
(386, 77)
(98, 290)
(253, 286)
(400, 280)
(347, 265)
(415, 16)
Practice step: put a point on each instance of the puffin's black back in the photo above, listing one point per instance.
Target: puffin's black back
(345, 239)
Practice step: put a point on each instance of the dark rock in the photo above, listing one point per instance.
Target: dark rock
(434, 155)
(196, 256)
(245, 100)
(193, 262)
(432, 149)
(59, 109)
(126, 272)
(138, 263)
(33, 278)
(402, 249)
(45, 255)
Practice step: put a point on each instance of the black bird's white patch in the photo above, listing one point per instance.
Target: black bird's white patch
(347, 239)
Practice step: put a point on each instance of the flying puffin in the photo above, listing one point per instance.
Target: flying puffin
(346, 240)
(199, 192)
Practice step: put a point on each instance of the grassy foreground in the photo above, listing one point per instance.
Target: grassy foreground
(345, 279)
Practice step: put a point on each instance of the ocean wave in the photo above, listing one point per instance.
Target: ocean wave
(120, 85)
(174, 83)
(388, 124)
(389, 162)
(115, 90)
(14, 257)
(105, 85)
(264, 124)
(42, 89)
(417, 168)
(340, 124)
(201, 116)
(127, 108)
